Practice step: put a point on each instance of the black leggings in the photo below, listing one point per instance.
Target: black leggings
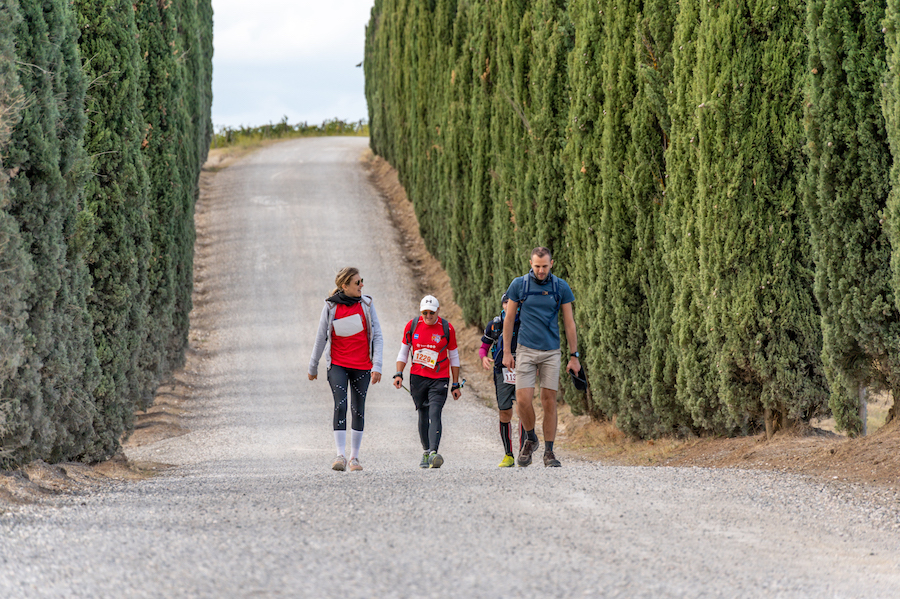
(357, 381)
(429, 395)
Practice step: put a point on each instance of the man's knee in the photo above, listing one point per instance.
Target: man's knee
(548, 398)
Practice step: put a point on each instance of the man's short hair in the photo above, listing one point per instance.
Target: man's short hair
(540, 252)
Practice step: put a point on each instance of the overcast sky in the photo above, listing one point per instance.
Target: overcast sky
(288, 57)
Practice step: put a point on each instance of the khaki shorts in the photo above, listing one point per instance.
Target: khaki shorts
(533, 365)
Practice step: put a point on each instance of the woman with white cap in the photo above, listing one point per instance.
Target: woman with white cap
(349, 327)
(430, 342)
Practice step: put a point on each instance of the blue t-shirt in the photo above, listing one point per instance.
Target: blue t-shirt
(539, 328)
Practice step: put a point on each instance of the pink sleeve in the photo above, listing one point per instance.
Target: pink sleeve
(483, 350)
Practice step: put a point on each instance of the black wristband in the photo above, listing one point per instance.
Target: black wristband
(455, 386)
(400, 374)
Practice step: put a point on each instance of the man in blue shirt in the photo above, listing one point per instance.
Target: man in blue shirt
(542, 296)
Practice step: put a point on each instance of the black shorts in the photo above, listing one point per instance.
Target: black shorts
(506, 393)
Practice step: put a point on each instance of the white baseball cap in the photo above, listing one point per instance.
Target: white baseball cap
(429, 302)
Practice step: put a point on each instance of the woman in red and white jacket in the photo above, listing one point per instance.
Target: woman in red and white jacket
(431, 342)
(349, 326)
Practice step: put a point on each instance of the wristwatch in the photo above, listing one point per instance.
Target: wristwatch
(575, 355)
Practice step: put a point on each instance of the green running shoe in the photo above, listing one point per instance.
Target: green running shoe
(507, 462)
(435, 460)
(424, 463)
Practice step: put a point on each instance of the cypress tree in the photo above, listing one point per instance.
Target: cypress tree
(116, 205)
(15, 264)
(584, 216)
(845, 195)
(424, 105)
(54, 384)
(695, 389)
(510, 217)
(459, 151)
(755, 279)
(479, 219)
(891, 111)
(171, 189)
(651, 131)
(544, 98)
(628, 193)
(189, 127)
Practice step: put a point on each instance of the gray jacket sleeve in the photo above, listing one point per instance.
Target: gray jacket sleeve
(321, 341)
(377, 342)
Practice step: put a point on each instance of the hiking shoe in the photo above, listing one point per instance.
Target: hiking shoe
(550, 460)
(339, 463)
(354, 465)
(424, 463)
(435, 460)
(507, 462)
(526, 452)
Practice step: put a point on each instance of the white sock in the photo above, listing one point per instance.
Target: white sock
(355, 443)
(340, 441)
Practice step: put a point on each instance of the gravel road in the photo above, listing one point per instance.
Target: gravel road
(252, 509)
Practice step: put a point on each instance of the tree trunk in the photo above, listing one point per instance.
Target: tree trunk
(863, 410)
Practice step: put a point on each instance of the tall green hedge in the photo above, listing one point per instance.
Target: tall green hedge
(755, 270)
(52, 389)
(891, 111)
(117, 206)
(15, 263)
(104, 125)
(730, 265)
(845, 195)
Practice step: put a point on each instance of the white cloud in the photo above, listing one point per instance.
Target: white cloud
(288, 57)
(283, 30)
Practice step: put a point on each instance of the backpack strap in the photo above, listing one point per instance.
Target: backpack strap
(412, 331)
(526, 289)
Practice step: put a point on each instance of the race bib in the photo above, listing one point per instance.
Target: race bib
(425, 357)
(349, 326)
(509, 376)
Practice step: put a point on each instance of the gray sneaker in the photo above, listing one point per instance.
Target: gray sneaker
(550, 460)
(526, 452)
(424, 463)
(435, 460)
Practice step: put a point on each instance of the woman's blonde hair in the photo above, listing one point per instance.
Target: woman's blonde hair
(344, 277)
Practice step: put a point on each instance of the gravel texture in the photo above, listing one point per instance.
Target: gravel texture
(252, 509)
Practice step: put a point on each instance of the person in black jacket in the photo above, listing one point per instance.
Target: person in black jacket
(491, 353)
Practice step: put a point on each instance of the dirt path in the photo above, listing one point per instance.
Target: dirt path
(249, 506)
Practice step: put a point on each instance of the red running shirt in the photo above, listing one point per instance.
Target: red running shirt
(349, 339)
(430, 349)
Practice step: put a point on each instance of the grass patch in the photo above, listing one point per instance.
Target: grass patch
(253, 137)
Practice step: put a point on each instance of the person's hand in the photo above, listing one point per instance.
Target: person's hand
(456, 393)
(574, 366)
(376, 377)
(312, 377)
(398, 382)
(509, 361)
(487, 363)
